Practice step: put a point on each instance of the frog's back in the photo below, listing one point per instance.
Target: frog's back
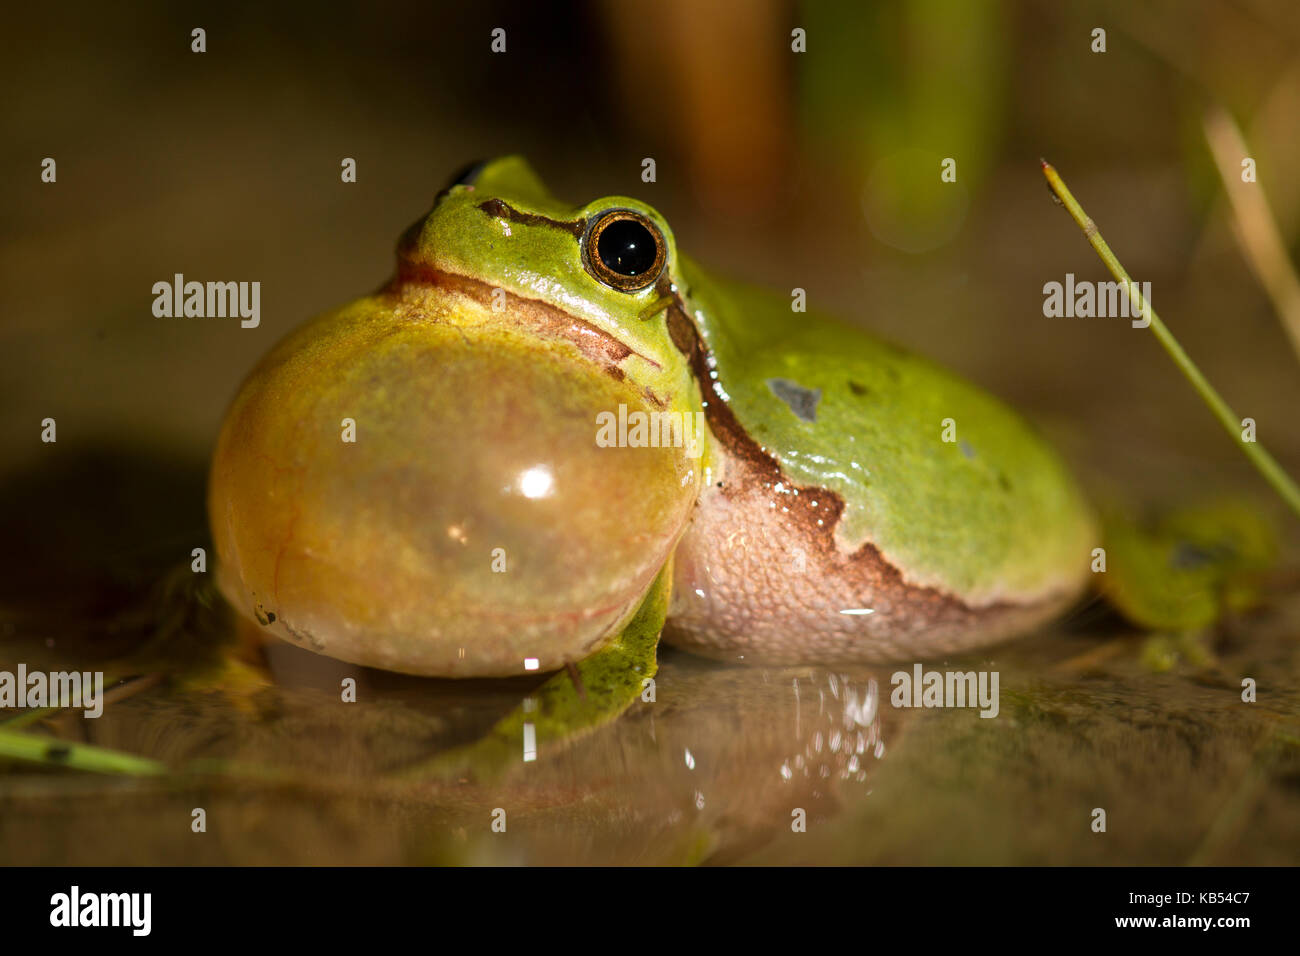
(870, 504)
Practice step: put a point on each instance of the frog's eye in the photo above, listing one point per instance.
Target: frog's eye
(624, 249)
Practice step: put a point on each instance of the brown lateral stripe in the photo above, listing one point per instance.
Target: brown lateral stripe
(761, 467)
(722, 420)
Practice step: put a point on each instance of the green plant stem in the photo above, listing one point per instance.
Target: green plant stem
(1265, 463)
(50, 751)
(27, 717)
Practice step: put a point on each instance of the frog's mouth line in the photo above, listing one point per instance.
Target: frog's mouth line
(532, 315)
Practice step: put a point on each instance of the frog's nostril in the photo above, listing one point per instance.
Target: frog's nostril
(465, 176)
(468, 174)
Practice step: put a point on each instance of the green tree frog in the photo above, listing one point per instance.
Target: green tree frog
(552, 429)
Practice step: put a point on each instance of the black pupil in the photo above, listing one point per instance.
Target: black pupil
(627, 247)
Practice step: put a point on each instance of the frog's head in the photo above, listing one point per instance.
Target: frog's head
(447, 477)
(607, 269)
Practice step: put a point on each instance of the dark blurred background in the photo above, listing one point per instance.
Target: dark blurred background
(815, 169)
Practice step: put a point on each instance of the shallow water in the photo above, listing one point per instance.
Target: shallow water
(715, 770)
(230, 171)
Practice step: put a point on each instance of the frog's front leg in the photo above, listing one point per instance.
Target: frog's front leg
(572, 703)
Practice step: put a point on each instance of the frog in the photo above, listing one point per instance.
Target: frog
(552, 439)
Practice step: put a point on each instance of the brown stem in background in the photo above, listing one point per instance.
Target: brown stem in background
(1253, 224)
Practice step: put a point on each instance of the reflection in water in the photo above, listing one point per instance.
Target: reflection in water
(719, 768)
(713, 769)
(842, 749)
(765, 749)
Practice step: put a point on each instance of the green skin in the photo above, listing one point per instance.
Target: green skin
(478, 525)
(832, 516)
